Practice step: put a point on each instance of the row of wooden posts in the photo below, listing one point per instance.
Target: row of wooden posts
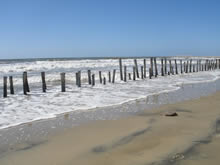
(185, 67)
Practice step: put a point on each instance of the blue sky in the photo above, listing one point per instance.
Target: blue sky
(88, 28)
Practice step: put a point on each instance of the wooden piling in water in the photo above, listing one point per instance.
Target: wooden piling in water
(151, 66)
(165, 67)
(136, 67)
(190, 66)
(187, 64)
(113, 77)
(63, 85)
(150, 73)
(134, 75)
(120, 67)
(170, 67)
(104, 80)
(145, 68)
(100, 77)
(79, 78)
(176, 68)
(44, 87)
(25, 83)
(11, 85)
(142, 72)
(181, 67)
(89, 77)
(155, 64)
(109, 76)
(194, 68)
(184, 67)
(162, 70)
(5, 92)
(125, 73)
(93, 79)
(129, 76)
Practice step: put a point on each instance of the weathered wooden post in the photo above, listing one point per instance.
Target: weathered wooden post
(176, 68)
(63, 85)
(197, 66)
(79, 78)
(142, 72)
(26, 81)
(100, 77)
(181, 67)
(109, 76)
(150, 73)
(5, 92)
(89, 77)
(145, 67)
(155, 64)
(136, 67)
(162, 70)
(218, 63)
(165, 68)
(11, 85)
(184, 66)
(129, 76)
(113, 77)
(44, 87)
(187, 64)
(193, 67)
(120, 65)
(151, 66)
(93, 79)
(190, 66)
(125, 73)
(170, 67)
(104, 80)
(134, 75)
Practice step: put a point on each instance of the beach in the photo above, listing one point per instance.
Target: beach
(145, 138)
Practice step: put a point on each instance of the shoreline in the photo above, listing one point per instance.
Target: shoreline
(135, 137)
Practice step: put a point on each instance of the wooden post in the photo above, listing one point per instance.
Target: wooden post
(165, 68)
(25, 85)
(190, 66)
(11, 85)
(218, 63)
(176, 68)
(134, 75)
(145, 67)
(26, 82)
(136, 67)
(100, 77)
(197, 66)
(193, 67)
(170, 66)
(104, 80)
(63, 85)
(155, 64)
(187, 64)
(125, 73)
(151, 66)
(109, 76)
(93, 79)
(142, 72)
(5, 92)
(113, 77)
(181, 67)
(79, 78)
(184, 66)
(44, 87)
(150, 73)
(129, 76)
(120, 65)
(89, 77)
(162, 70)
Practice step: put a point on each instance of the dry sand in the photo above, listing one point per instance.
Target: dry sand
(138, 140)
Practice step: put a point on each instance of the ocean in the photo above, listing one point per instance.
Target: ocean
(17, 109)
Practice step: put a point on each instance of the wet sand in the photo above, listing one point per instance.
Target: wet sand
(146, 138)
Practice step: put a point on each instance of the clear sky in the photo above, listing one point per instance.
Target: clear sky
(87, 28)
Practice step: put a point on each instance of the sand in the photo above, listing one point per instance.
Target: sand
(146, 138)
